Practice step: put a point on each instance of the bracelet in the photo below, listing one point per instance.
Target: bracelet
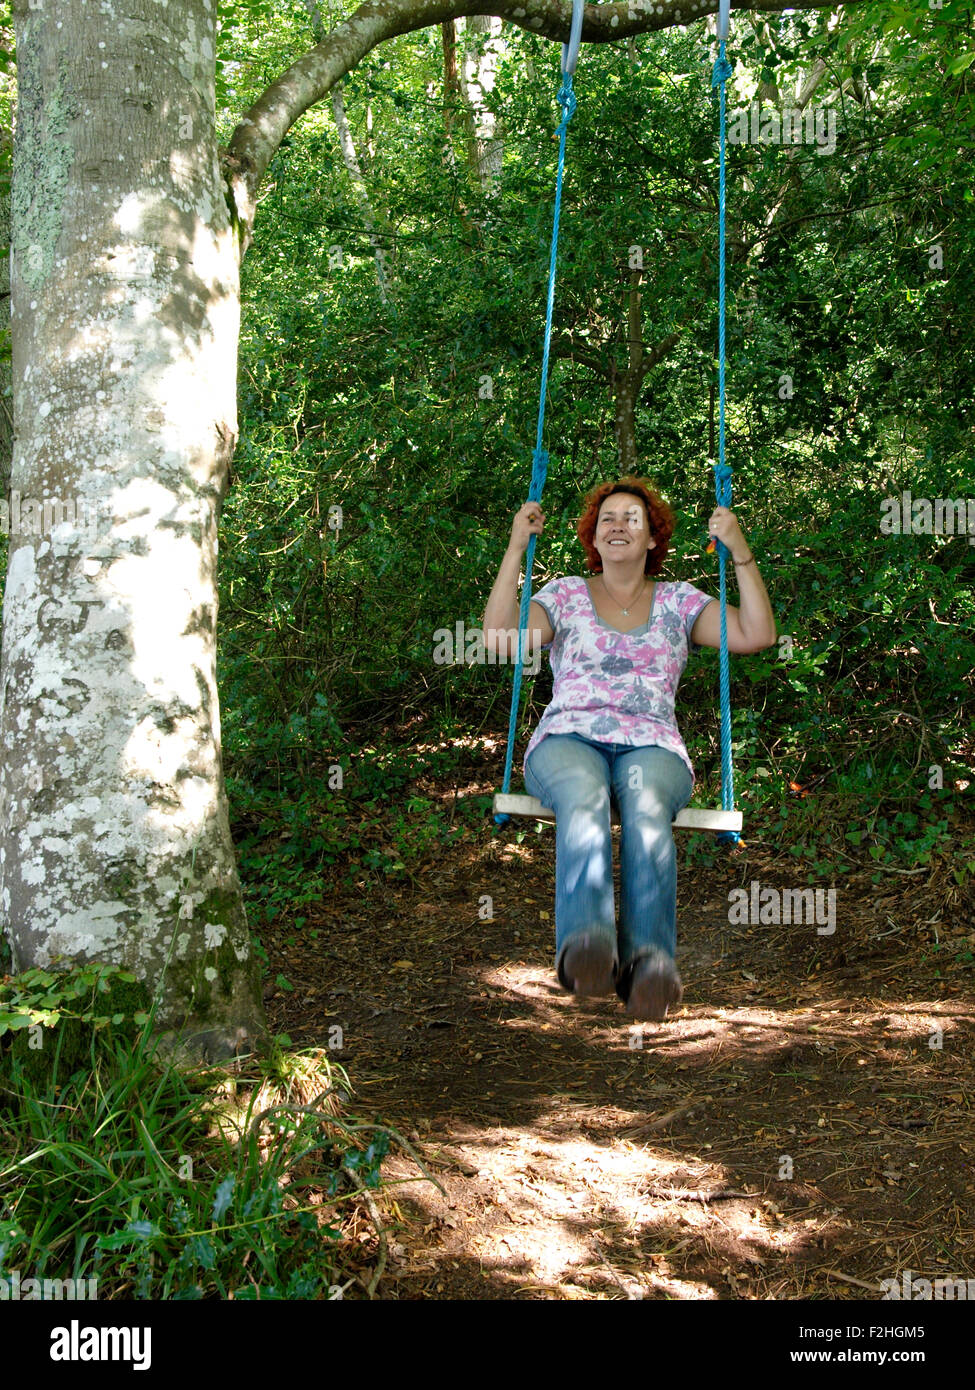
(741, 563)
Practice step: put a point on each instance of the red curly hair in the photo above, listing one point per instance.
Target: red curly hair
(659, 517)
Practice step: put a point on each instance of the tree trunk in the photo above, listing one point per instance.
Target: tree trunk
(626, 385)
(451, 82)
(477, 77)
(114, 835)
(629, 381)
(351, 161)
(626, 395)
(6, 412)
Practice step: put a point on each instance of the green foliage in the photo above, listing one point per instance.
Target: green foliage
(148, 1180)
(296, 838)
(378, 407)
(83, 993)
(372, 398)
(51, 1020)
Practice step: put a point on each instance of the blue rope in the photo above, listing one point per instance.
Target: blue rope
(723, 69)
(722, 471)
(566, 99)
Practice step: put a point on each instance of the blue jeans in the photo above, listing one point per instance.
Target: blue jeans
(576, 777)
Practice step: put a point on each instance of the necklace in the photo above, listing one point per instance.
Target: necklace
(633, 601)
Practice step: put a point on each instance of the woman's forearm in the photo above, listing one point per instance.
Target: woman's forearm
(502, 610)
(754, 605)
(755, 619)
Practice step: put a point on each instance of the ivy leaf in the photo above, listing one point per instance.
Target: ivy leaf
(16, 1021)
(222, 1200)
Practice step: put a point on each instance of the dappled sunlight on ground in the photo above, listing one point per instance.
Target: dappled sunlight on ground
(800, 1128)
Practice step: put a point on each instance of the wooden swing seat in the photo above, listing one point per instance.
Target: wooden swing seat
(690, 818)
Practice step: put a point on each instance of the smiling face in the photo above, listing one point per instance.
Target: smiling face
(622, 532)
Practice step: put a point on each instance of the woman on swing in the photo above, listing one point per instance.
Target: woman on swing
(618, 646)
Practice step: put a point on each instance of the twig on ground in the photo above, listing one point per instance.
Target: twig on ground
(848, 1279)
(677, 1195)
(380, 1232)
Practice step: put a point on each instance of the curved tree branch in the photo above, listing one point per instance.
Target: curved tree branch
(260, 132)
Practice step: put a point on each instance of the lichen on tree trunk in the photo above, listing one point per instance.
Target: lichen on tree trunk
(114, 832)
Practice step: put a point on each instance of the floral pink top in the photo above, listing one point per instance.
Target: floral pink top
(617, 687)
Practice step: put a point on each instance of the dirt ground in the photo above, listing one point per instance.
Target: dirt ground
(801, 1128)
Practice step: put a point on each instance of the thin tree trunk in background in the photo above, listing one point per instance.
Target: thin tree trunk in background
(451, 82)
(477, 78)
(350, 159)
(629, 381)
(626, 385)
(711, 394)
